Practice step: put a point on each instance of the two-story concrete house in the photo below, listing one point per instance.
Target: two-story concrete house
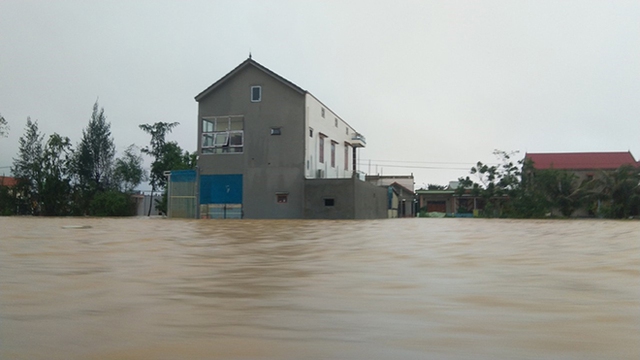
(269, 149)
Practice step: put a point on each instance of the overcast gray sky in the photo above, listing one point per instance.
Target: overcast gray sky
(439, 84)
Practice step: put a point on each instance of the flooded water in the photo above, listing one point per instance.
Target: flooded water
(81, 288)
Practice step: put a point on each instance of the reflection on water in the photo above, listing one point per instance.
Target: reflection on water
(403, 289)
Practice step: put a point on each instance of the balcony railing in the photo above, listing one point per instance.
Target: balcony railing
(358, 140)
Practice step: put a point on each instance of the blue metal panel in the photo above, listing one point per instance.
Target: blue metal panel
(183, 175)
(221, 189)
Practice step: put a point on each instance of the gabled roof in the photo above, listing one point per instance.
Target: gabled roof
(582, 160)
(244, 64)
(8, 181)
(397, 185)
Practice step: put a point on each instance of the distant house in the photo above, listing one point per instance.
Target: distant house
(447, 201)
(436, 201)
(586, 166)
(270, 149)
(403, 186)
(8, 181)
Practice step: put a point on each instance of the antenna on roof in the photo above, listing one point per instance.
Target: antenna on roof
(249, 53)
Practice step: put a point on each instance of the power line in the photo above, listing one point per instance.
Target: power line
(413, 166)
(420, 162)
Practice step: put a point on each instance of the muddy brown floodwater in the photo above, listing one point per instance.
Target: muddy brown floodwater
(145, 288)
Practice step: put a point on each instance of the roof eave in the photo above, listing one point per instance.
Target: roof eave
(241, 66)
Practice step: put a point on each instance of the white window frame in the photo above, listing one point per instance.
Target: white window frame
(220, 136)
(259, 93)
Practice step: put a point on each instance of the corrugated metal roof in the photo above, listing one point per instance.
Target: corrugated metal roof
(581, 160)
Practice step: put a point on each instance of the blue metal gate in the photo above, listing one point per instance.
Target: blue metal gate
(221, 196)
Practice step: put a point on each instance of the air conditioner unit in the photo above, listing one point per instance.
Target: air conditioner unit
(320, 174)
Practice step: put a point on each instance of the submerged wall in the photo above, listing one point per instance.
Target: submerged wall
(344, 199)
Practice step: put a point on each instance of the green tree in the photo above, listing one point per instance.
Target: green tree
(56, 189)
(157, 149)
(93, 160)
(128, 172)
(27, 167)
(497, 184)
(7, 201)
(620, 194)
(561, 190)
(112, 203)
(4, 126)
(435, 187)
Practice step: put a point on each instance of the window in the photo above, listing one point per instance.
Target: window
(329, 202)
(276, 131)
(256, 93)
(321, 150)
(346, 156)
(347, 130)
(222, 134)
(310, 132)
(333, 154)
(322, 112)
(282, 198)
(335, 121)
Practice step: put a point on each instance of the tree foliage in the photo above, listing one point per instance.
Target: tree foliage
(112, 203)
(93, 160)
(4, 126)
(27, 167)
(128, 172)
(57, 189)
(56, 180)
(162, 155)
(519, 190)
(620, 195)
(95, 153)
(435, 187)
(496, 183)
(157, 150)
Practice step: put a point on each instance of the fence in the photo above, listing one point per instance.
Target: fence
(182, 194)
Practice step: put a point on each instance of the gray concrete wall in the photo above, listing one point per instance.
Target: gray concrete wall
(269, 163)
(353, 199)
(341, 190)
(370, 200)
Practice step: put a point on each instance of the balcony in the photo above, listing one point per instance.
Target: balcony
(358, 140)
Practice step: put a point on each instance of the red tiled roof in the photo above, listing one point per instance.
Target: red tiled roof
(582, 161)
(8, 181)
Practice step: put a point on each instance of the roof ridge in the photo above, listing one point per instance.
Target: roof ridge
(247, 62)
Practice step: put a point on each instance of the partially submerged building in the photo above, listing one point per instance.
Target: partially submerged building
(403, 187)
(585, 166)
(270, 149)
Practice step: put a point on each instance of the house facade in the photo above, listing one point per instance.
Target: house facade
(586, 166)
(267, 147)
(403, 186)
